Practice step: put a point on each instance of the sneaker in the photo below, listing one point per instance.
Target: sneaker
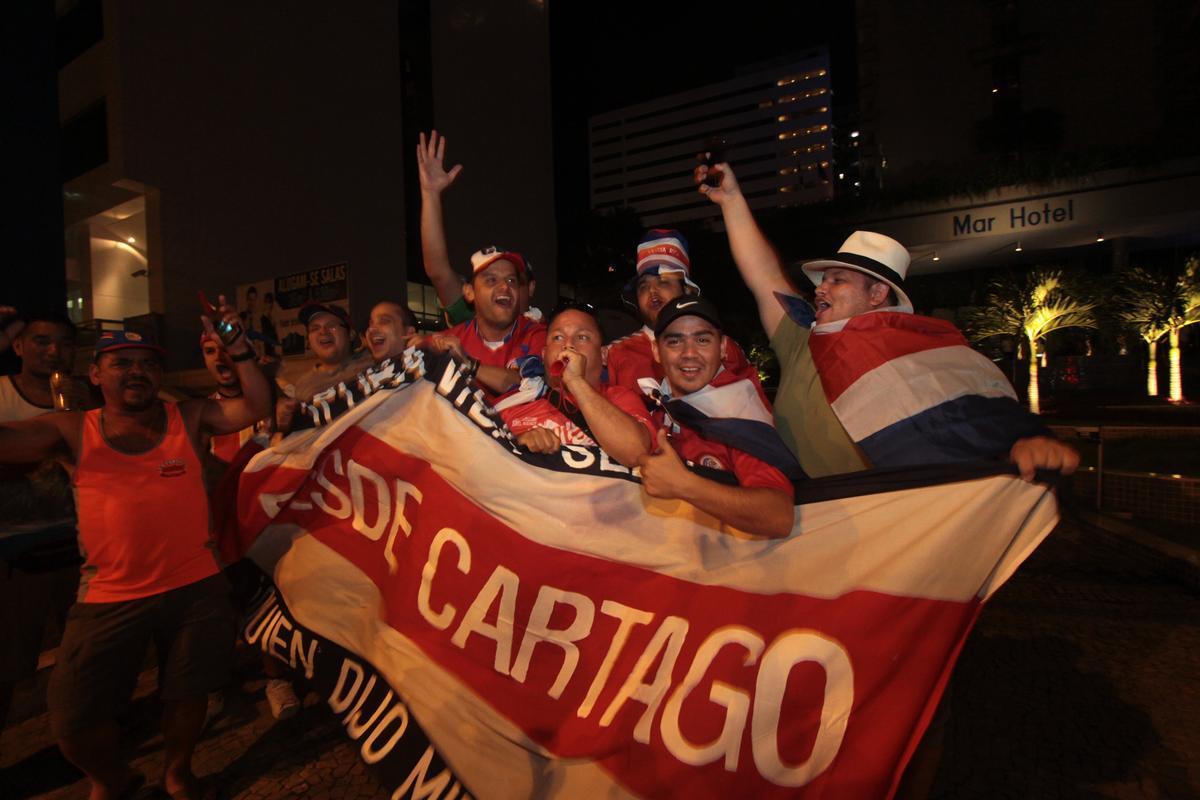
(282, 699)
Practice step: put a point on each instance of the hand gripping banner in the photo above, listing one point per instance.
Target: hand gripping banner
(550, 630)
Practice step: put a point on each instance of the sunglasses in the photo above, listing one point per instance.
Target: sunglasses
(574, 305)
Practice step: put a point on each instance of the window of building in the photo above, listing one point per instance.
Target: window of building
(423, 302)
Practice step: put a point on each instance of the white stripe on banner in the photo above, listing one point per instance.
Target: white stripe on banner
(910, 384)
(737, 400)
(673, 537)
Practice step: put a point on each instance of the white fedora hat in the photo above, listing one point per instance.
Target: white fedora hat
(874, 254)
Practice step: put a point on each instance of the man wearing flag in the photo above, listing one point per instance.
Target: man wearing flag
(862, 344)
(688, 345)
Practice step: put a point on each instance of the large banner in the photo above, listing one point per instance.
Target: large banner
(548, 629)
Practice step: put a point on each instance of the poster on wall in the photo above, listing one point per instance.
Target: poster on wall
(270, 309)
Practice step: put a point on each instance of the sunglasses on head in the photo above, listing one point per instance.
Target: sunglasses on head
(574, 305)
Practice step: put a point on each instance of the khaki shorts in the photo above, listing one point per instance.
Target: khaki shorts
(104, 648)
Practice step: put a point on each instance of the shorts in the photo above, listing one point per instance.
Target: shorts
(29, 599)
(104, 648)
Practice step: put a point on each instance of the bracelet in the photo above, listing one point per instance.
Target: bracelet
(246, 356)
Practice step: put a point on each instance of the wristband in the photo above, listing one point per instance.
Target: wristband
(246, 356)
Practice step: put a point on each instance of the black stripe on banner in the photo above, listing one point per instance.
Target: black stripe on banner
(390, 741)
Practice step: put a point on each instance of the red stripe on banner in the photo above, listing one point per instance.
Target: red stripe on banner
(786, 691)
(871, 340)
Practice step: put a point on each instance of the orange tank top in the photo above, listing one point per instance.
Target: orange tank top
(143, 518)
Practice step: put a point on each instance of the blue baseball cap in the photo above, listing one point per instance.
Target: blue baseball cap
(121, 340)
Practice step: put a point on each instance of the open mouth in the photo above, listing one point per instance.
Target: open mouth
(224, 371)
(504, 301)
(379, 340)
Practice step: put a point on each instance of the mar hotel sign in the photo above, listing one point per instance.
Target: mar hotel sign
(1017, 218)
(1058, 218)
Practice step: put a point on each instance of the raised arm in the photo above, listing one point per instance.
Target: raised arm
(756, 259)
(227, 416)
(617, 433)
(434, 180)
(759, 510)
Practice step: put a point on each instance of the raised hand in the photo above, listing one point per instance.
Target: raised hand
(227, 314)
(718, 194)
(430, 167)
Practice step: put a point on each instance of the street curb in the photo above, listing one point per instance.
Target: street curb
(1171, 558)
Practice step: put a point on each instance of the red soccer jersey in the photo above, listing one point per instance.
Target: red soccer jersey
(749, 470)
(527, 338)
(630, 358)
(544, 414)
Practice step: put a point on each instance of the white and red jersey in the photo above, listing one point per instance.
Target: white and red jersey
(629, 359)
(525, 338)
(543, 413)
(750, 471)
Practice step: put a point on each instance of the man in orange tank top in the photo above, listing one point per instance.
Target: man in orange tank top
(149, 571)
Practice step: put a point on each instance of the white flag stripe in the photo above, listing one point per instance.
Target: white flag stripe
(907, 385)
(738, 400)
(672, 537)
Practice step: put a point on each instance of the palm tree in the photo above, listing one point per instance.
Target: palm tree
(1159, 305)
(1030, 307)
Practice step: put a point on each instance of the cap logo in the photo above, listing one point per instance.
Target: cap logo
(687, 304)
(133, 337)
